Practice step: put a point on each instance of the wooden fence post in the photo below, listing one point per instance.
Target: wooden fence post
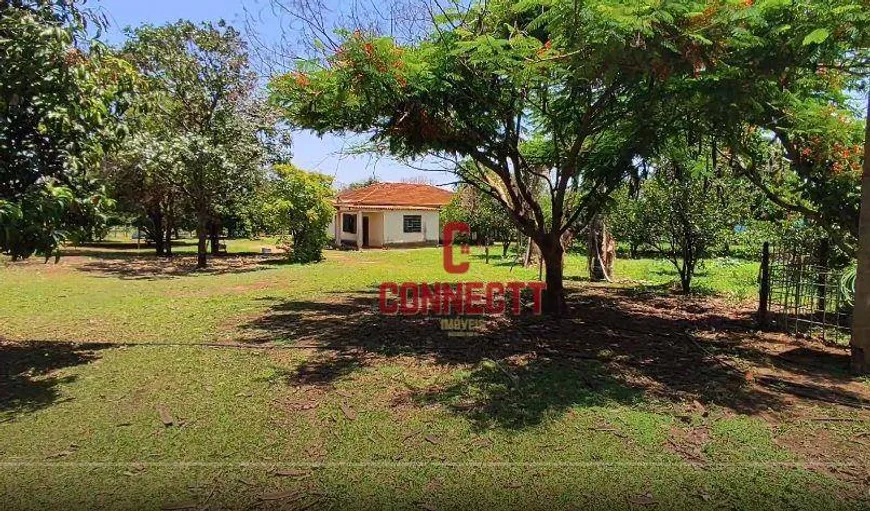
(764, 292)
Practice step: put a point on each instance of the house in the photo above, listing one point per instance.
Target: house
(389, 214)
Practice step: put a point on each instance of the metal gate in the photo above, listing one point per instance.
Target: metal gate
(808, 299)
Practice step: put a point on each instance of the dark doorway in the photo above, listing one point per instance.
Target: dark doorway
(365, 231)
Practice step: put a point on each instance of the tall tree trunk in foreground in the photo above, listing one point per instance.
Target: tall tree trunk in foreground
(861, 315)
(553, 254)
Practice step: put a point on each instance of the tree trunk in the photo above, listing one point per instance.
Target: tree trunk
(202, 236)
(168, 235)
(533, 254)
(687, 270)
(686, 281)
(860, 342)
(505, 246)
(601, 251)
(157, 231)
(553, 255)
(215, 236)
(169, 226)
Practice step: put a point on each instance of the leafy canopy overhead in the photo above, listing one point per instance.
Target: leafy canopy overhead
(528, 87)
(791, 92)
(571, 90)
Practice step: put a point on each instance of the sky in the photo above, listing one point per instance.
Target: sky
(327, 155)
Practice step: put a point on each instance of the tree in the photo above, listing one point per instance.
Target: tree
(202, 111)
(627, 217)
(137, 174)
(356, 185)
(61, 99)
(487, 219)
(297, 205)
(600, 250)
(816, 173)
(789, 90)
(690, 207)
(557, 92)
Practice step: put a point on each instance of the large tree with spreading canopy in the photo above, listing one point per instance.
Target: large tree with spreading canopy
(201, 130)
(560, 95)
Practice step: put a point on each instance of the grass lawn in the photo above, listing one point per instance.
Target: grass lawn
(285, 388)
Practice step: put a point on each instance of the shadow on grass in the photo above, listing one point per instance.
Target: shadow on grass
(27, 379)
(132, 267)
(611, 347)
(126, 260)
(122, 249)
(516, 394)
(496, 259)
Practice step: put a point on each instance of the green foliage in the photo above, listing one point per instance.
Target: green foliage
(297, 205)
(484, 215)
(569, 95)
(556, 94)
(201, 129)
(688, 208)
(628, 219)
(783, 107)
(30, 224)
(60, 103)
(371, 180)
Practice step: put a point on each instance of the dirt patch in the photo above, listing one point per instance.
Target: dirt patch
(841, 453)
(255, 286)
(689, 443)
(302, 399)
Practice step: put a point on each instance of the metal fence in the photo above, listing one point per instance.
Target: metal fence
(807, 299)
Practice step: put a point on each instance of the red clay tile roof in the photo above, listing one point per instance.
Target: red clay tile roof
(396, 194)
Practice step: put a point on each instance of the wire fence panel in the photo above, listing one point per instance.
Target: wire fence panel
(808, 299)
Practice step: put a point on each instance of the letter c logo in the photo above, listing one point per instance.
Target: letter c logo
(450, 231)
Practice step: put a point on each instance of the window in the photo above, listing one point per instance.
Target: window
(348, 224)
(413, 223)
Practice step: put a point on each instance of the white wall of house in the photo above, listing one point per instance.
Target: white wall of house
(345, 236)
(388, 227)
(330, 231)
(376, 229)
(394, 227)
